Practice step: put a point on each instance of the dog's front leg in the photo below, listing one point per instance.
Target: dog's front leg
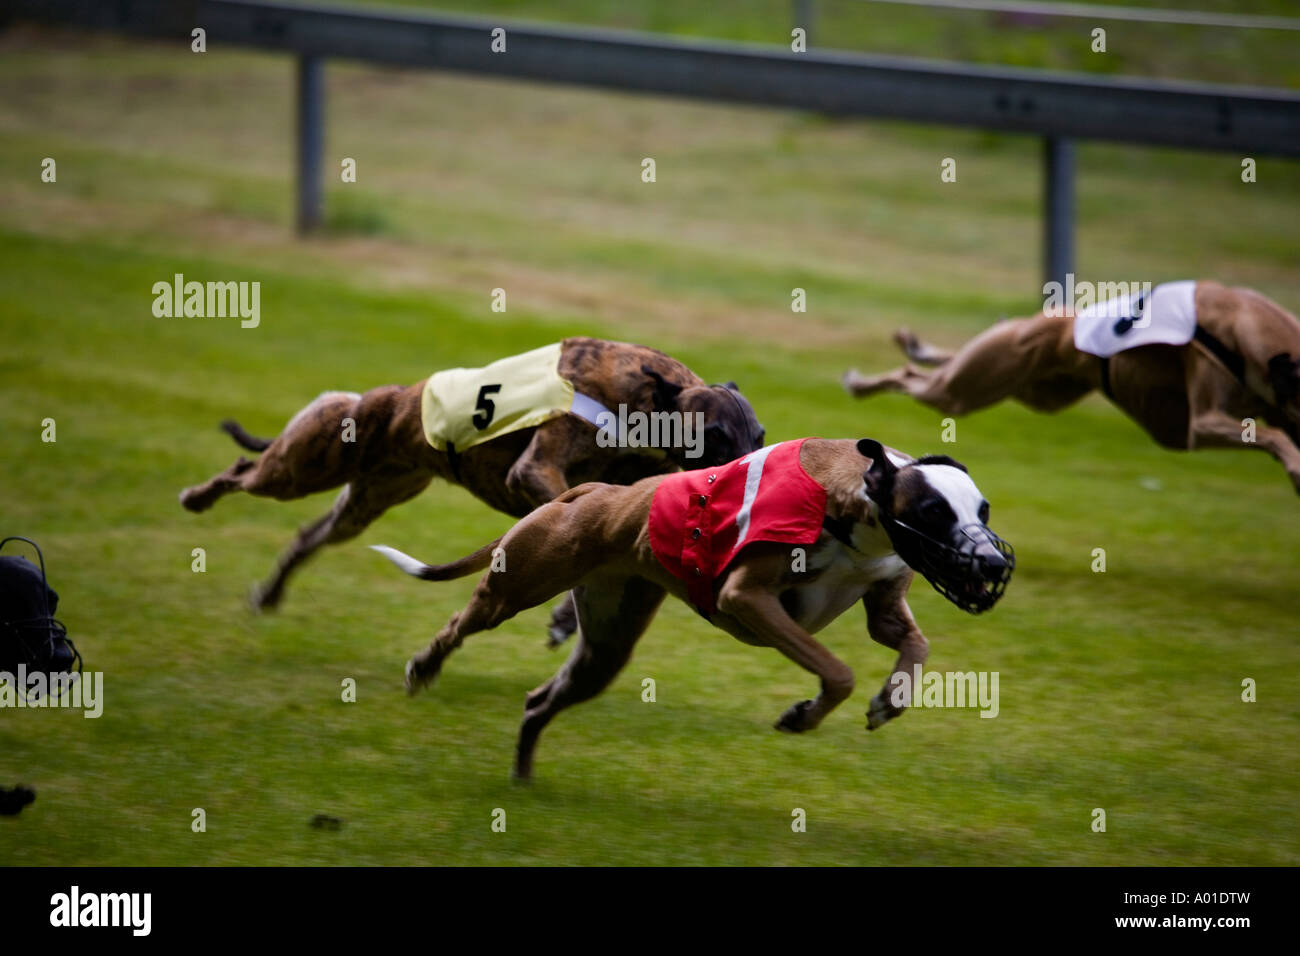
(538, 474)
(890, 622)
(751, 597)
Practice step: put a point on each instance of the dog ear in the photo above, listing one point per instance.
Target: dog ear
(718, 447)
(940, 460)
(665, 392)
(880, 475)
(733, 386)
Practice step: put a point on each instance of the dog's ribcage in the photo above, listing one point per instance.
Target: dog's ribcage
(839, 576)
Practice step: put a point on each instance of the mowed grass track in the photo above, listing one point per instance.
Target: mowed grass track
(1118, 690)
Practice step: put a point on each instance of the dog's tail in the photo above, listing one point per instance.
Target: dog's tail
(477, 561)
(245, 440)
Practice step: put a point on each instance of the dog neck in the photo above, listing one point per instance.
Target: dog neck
(860, 529)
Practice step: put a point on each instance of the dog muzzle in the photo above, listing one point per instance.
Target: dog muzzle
(37, 641)
(43, 645)
(972, 576)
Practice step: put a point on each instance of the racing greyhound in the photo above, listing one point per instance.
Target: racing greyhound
(390, 458)
(1241, 360)
(770, 548)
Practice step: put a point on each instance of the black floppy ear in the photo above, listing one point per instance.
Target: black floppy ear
(665, 393)
(940, 460)
(881, 473)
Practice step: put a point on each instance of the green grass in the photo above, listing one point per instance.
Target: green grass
(1118, 690)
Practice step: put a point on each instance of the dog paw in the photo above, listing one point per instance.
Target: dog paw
(555, 636)
(793, 720)
(881, 711)
(420, 673)
(263, 600)
(191, 501)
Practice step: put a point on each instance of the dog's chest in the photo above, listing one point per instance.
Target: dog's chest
(837, 578)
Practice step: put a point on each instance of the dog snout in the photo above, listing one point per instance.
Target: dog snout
(63, 657)
(993, 557)
(993, 563)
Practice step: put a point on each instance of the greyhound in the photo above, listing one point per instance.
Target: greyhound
(390, 459)
(1241, 362)
(860, 518)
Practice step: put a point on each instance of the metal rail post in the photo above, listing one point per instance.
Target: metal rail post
(311, 137)
(1058, 208)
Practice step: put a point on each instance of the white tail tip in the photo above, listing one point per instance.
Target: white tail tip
(404, 561)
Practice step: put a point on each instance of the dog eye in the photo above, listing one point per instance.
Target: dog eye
(984, 512)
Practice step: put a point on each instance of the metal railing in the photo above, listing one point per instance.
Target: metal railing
(1060, 107)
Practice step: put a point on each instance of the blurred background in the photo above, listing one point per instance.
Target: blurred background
(1119, 690)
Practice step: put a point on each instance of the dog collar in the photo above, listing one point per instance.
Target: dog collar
(588, 409)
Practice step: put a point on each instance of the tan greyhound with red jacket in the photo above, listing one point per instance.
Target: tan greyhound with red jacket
(1237, 358)
(770, 548)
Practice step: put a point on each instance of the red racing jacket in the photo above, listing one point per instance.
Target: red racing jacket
(701, 520)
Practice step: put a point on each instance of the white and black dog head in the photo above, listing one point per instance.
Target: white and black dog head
(937, 521)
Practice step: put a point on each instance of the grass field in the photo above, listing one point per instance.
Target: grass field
(1118, 690)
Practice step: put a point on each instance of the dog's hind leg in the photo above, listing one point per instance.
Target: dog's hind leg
(358, 505)
(204, 496)
(1215, 428)
(307, 457)
(266, 596)
(922, 353)
(538, 475)
(1220, 413)
(491, 604)
(935, 387)
(903, 380)
(546, 553)
(612, 613)
(999, 363)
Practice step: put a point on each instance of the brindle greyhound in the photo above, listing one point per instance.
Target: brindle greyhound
(391, 461)
(1243, 363)
(595, 540)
